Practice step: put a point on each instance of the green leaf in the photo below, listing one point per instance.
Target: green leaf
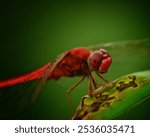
(116, 97)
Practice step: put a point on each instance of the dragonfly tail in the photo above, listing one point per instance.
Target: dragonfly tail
(34, 75)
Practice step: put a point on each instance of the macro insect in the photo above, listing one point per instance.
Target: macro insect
(75, 62)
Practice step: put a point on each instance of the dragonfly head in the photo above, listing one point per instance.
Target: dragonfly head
(99, 60)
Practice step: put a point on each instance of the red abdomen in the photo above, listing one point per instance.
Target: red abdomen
(37, 74)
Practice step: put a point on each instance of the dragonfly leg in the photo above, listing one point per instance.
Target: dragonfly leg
(95, 83)
(76, 84)
(99, 74)
(70, 89)
(90, 87)
(70, 103)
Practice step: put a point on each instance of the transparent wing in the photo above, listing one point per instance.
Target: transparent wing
(16, 99)
(121, 45)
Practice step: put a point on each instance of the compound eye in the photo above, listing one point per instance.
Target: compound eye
(95, 59)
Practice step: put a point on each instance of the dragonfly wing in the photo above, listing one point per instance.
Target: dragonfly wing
(45, 76)
(16, 99)
(121, 45)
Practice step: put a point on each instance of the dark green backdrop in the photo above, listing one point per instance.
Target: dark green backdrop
(34, 33)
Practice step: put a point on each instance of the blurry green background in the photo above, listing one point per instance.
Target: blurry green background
(34, 33)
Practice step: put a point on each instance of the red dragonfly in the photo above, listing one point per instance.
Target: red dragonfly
(74, 62)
